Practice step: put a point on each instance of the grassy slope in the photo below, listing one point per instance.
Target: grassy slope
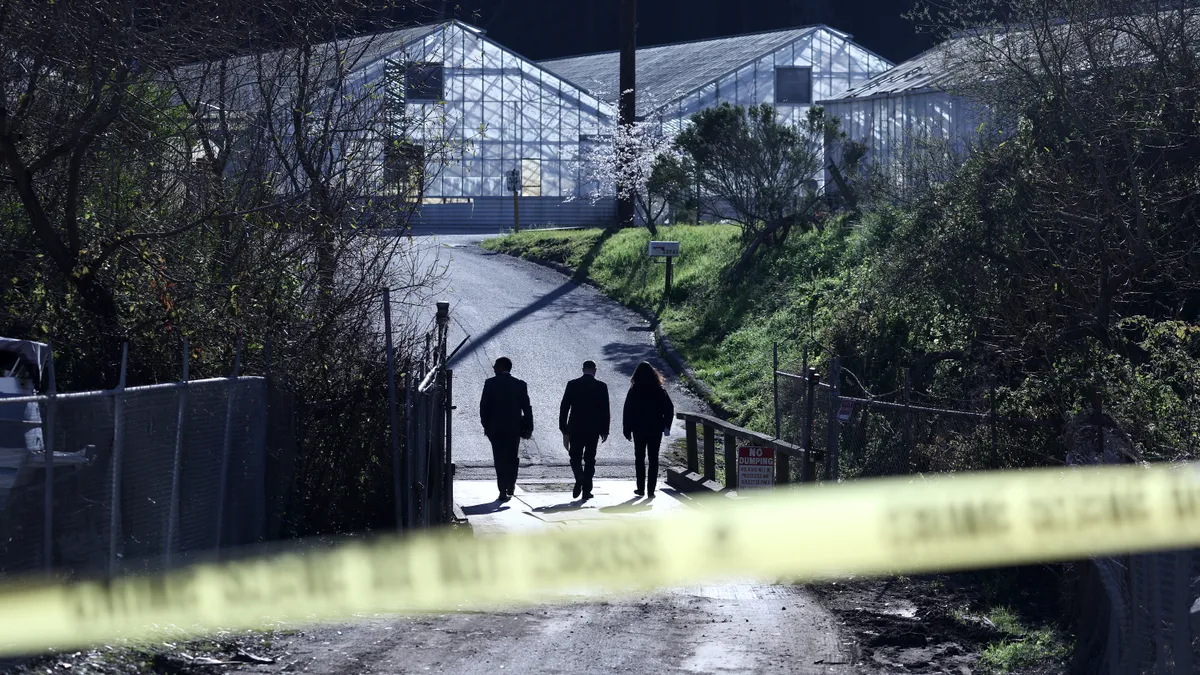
(724, 331)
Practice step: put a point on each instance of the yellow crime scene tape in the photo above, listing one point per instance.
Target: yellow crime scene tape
(872, 527)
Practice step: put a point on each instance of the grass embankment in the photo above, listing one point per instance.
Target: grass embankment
(724, 329)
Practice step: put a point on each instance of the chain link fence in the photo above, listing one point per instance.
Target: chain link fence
(1141, 613)
(139, 477)
(864, 438)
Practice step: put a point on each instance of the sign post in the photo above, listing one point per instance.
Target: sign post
(670, 251)
(756, 467)
(514, 186)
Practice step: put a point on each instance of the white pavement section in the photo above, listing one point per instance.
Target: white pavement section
(549, 503)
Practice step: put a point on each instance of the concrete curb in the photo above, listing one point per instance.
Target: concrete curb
(460, 517)
(661, 341)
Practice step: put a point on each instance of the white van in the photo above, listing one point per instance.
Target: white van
(21, 366)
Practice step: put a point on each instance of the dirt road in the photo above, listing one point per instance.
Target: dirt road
(719, 628)
(549, 325)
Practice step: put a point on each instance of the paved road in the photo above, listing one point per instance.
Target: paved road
(548, 326)
(726, 628)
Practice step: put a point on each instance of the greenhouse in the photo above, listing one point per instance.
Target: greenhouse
(502, 113)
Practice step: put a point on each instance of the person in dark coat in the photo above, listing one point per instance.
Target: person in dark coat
(583, 418)
(648, 414)
(507, 417)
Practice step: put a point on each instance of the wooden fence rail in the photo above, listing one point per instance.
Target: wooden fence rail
(731, 435)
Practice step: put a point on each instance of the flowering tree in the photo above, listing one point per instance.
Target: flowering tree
(638, 162)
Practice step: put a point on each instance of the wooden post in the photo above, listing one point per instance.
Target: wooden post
(783, 471)
(731, 477)
(710, 453)
(667, 289)
(693, 462)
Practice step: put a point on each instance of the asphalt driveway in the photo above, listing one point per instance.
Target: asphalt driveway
(548, 325)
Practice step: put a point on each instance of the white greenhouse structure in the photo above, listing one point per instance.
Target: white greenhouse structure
(504, 112)
(789, 69)
(908, 121)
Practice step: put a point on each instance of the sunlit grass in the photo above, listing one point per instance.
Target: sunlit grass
(724, 328)
(1022, 646)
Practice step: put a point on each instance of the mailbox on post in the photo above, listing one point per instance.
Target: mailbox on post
(514, 186)
(670, 251)
(664, 249)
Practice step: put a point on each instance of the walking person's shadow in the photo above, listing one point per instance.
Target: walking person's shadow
(482, 509)
(577, 505)
(631, 506)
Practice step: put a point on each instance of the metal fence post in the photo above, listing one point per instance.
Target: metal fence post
(118, 451)
(908, 419)
(808, 470)
(992, 424)
(775, 383)
(428, 414)
(173, 519)
(48, 455)
(442, 317)
(449, 491)
(406, 480)
(831, 445)
(436, 447)
(397, 489)
(223, 490)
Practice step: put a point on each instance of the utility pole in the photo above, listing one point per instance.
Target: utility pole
(628, 105)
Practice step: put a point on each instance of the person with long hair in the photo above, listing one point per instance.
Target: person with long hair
(647, 416)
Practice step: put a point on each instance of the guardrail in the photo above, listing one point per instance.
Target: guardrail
(709, 426)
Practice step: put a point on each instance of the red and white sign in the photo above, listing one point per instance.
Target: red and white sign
(846, 410)
(756, 467)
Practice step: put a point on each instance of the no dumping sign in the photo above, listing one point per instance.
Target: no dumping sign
(756, 467)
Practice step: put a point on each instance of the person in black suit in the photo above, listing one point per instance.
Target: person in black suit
(647, 416)
(583, 418)
(507, 417)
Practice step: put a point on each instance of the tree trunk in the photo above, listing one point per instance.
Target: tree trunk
(844, 188)
(735, 273)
